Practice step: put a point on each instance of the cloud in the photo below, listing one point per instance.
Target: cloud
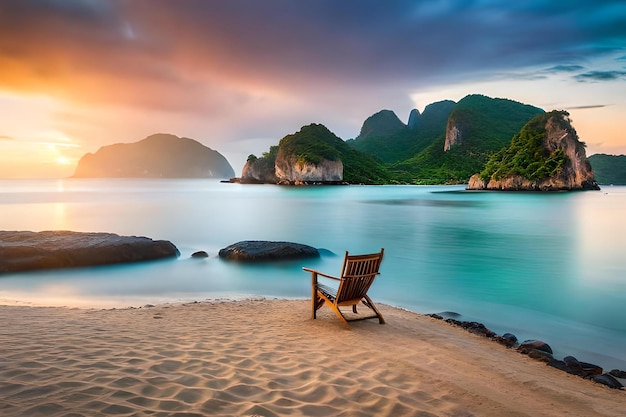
(589, 106)
(564, 68)
(252, 63)
(600, 76)
(5, 137)
(197, 52)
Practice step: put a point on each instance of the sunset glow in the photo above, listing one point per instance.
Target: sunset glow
(238, 75)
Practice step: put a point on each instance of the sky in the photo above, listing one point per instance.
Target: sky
(238, 75)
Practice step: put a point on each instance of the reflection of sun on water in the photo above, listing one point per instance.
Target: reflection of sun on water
(600, 219)
(60, 217)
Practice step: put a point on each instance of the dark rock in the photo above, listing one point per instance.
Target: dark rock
(572, 366)
(590, 369)
(510, 336)
(260, 250)
(200, 254)
(23, 250)
(555, 363)
(455, 322)
(477, 328)
(539, 355)
(608, 380)
(435, 316)
(618, 374)
(583, 369)
(535, 345)
(571, 361)
(471, 326)
(507, 339)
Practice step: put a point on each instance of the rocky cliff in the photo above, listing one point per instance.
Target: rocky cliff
(291, 169)
(308, 156)
(157, 156)
(288, 169)
(454, 134)
(313, 155)
(545, 156)
(258, 171)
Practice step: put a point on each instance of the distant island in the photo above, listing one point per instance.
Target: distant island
(609, 169)
(446, 144)
(157, 156)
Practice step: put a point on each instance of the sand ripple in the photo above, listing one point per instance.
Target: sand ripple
(267, 358)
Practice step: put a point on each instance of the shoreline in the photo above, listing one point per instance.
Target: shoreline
(449, 317)
(267, 357)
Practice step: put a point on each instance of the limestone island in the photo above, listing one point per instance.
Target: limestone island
(314, 155)
(545, 155)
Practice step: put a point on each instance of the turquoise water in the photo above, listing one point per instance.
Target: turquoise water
(545, 266)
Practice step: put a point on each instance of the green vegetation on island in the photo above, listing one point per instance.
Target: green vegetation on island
(609, 169)
(527, 156)
(460, 144)
(314, 143)
(446, 144)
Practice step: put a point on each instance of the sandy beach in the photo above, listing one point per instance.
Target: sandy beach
(268, 358)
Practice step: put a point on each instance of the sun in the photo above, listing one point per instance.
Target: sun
(62, 160)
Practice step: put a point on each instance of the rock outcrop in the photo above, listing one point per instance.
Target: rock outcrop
(454, 134)
(289, 169)
(25, 250)
(157, 156)
(557, 162)
(261, 250)
(259, 171)
(311, 156)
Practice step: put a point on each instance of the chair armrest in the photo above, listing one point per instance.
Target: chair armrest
(321, 274)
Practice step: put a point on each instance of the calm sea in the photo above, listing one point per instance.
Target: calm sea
(541, 266)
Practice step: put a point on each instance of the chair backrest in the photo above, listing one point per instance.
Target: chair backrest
(357, 275)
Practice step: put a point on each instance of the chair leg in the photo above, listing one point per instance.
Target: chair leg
(339, 313)
(314, 299)
(371, 305)
(325, 300)
(316, 303)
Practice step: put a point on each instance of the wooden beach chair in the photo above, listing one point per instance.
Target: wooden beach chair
(357, 275)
